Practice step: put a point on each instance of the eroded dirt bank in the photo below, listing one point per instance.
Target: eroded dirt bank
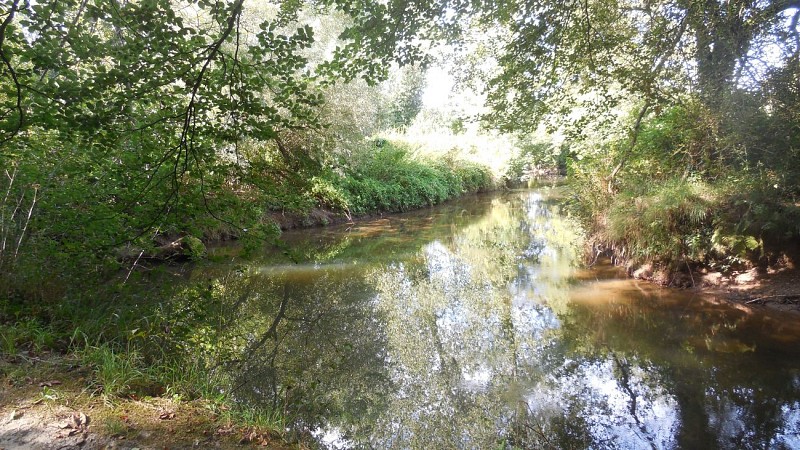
(777, 287)
(774, 288)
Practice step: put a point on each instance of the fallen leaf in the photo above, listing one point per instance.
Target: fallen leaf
(78, 421)
(166, 415)
(50, 383)
(248, 438)
(81, 419)
(225, 431)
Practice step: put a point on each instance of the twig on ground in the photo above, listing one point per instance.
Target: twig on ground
(769, 297)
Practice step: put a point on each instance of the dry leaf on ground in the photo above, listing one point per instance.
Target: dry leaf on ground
(77, 421)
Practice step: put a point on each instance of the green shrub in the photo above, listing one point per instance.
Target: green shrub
(389, 178)
(326, 194)
(727, 223)
(666, 222)
(696, 187)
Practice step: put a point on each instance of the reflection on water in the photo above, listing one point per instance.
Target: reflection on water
(470, 326)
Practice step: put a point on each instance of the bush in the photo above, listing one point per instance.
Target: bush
(698, 187)
(667, 222)
(731, 222)
(390, 179)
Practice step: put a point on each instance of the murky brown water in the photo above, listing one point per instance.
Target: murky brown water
(470, 325)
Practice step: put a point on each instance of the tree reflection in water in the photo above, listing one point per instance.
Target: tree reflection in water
(475, 334)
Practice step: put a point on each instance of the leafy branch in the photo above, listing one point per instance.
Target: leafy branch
(6, 59)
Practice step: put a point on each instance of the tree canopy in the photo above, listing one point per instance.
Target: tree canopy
(551, 53)
(147, 102)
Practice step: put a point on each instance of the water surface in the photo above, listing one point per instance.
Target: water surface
(472, 325)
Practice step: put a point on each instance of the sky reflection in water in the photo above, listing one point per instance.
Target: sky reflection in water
(470, 326)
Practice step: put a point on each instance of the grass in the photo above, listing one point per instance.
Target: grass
(661, 222)
(27, 334)
(128, 354)
(116, 373)
(138, 421)
(256, 418)
(730, 223)
(116, 427)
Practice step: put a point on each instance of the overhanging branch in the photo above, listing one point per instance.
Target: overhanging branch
(6, 60)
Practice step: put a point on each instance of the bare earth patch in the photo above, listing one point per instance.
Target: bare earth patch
(776, 288)
(45, 404)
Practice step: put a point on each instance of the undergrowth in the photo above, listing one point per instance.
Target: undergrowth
(688, 221)
(691, 209)
(390, 178)
(135, 341)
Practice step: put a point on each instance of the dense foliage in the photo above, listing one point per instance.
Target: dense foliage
(138, 129)
(678, 119)
(127, 124)
(698, 188)
(390, 179)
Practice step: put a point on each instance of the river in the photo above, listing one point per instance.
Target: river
(473, 325)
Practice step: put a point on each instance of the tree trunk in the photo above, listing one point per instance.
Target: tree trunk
(723, 38)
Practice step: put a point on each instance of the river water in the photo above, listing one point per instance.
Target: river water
(472, 325)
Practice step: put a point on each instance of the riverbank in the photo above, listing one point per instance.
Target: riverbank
(776, 287)
(157, 390)
(45, 404)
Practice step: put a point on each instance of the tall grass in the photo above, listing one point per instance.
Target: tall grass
(26, 334)
(666, 222)
(391, 178)
(117, 373)
(724, 224)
